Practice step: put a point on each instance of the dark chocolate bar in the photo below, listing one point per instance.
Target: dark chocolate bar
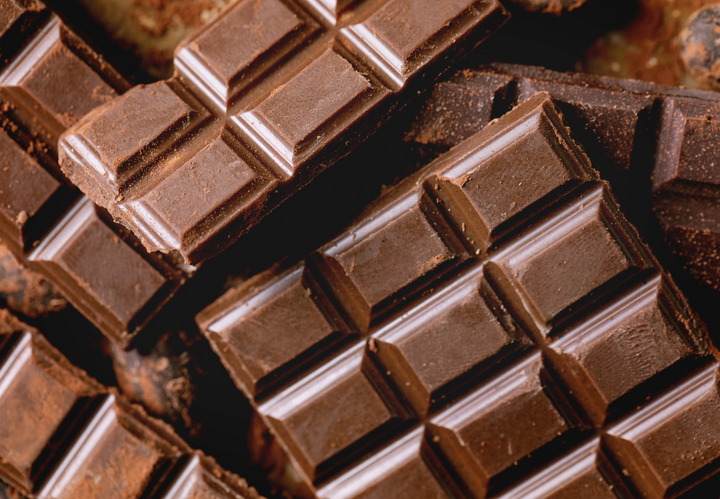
(265, 97)
(50, 80)
(654, 143)
(488, 324)
(63, 435)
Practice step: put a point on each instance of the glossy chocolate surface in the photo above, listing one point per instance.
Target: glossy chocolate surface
(65, 436)
(48, 83)
(492, 324)
(657, 145)
(192, 163)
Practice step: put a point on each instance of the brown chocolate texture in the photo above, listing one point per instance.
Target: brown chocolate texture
(25, 292)
(49, 80)
(65, 436)
(308, 81)
(548, 6)
(655, 144)
(492, 324)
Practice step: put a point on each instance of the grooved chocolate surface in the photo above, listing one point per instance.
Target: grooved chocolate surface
(532, 352)
(65, 436)
(305, 82)
(623, 125)
(50, 80)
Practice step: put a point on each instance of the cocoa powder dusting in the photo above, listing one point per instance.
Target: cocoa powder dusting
(163, 380)
(24, 291)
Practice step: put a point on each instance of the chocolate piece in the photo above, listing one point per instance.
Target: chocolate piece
(25, 292)
(192, 163)
(17, 18)
(698, 45)
(51, 81)
(65, 436)
(623, 125)
(686, 183)
(492, 313)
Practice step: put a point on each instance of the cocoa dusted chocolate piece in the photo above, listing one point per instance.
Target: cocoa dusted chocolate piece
(655, 144)
(484, 326)
(17, 19)
(686, 183)
(192, 163)
(24, 291)
(63, 435)
(51, 80)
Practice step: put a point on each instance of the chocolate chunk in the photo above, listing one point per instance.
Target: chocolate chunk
(580, 473)
(24, 291)
(661, 447)
(306, 83)
(51, 80)
(64, 435)
(17, 19)
(501, 320)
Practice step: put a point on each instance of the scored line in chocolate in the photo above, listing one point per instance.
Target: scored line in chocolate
(409, 387)
(297, 94)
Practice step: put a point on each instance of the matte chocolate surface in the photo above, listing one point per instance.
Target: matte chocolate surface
(657, 145)
(63, 435)
(24, 291)
(491, 325)
(47, 84)
(192, 163)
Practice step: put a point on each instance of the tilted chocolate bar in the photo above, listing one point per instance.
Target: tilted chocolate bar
(486, 325)
(265, 97)
(655, 144)
(63, 435)
(51, 80)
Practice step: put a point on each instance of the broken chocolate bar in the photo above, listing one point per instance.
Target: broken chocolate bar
(192, 163)
(50, 80)
(485, 325)
(63, 435)
(654, 143)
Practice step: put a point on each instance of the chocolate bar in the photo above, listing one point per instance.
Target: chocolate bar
(190, 164)
(654, 144)
(485, 326)
(66, 436)
(50, 80)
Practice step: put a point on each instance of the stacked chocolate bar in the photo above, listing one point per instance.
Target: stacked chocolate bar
(516, 317)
